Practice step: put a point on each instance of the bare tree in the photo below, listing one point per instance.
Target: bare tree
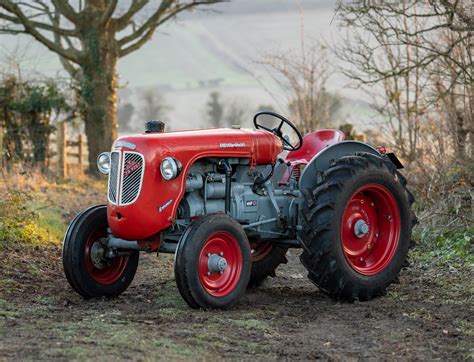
(303, 78)
(417, 53)
(89, 37)
(125, 113)
(416, 23)
(215, 110)
(154, 105)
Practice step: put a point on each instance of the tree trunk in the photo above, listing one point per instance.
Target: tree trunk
(98, 88)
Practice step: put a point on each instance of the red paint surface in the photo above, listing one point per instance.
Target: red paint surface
(142, 219)
(216, 284)
(313, 143)
(260, 250)
(373, 252)
(111, 273)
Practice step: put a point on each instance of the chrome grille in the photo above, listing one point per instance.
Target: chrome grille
(132, 176)
(113, 176)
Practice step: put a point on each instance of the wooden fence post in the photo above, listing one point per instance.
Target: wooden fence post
(62, 150)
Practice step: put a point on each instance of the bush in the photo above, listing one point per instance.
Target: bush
(21, 223)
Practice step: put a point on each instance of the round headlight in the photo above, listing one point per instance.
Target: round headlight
(169, 168)
(103, 162)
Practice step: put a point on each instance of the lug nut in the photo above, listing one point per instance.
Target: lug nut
(362, 201)
(221, 253)
(208, 255)
(372, 204)
(389, 217)
(208, 273)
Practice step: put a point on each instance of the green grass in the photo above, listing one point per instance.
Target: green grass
(8, 311)
(26, 220)
(49, 219)
(451, 246)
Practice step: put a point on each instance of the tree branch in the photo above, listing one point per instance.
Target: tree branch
(66, 10)
(123, 21)
(455, 8)
(39, 25)
(164, 13)
(152, 20)
(13, 8)
(108, 12)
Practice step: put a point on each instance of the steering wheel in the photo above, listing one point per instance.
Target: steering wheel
(277, 130)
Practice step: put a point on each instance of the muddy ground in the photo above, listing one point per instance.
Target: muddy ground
(428, 315)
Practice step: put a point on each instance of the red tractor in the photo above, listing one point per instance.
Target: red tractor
(230, 202)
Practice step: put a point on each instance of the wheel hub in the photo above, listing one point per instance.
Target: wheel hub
(97, 255)
(370, 229)
(220, 264)
(361, 228)
(216, 263)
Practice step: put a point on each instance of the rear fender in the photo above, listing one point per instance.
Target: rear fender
(322, 160)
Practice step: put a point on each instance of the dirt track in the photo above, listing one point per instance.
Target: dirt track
(427, 316)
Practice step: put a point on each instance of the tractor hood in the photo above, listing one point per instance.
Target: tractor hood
(261, 146)
(140, 202)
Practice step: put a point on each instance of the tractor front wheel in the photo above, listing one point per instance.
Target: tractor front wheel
(87, 270)
(212, 262)
(357, 227)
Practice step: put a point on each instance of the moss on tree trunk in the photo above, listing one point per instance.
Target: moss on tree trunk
(98, 92)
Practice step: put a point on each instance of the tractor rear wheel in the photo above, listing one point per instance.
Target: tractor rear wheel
(357, 227)
(212, 262)
(87, 270)
(265, 259)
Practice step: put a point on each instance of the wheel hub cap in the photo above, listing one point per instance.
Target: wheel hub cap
(220, 264)
(361, 228)
(102, 270)
(216, 263)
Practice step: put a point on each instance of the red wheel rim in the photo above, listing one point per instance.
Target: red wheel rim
(260, 250)
(225, 245)
(113, 271)
(371, 252)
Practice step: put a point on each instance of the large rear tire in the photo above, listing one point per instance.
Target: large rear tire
(356, 227)
(88, 272)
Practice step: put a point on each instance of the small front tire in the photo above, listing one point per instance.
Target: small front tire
(212, 262)
(87, 271)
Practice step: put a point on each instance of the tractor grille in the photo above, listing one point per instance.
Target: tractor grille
(132, 176)
(113, 176)
(124, 188)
